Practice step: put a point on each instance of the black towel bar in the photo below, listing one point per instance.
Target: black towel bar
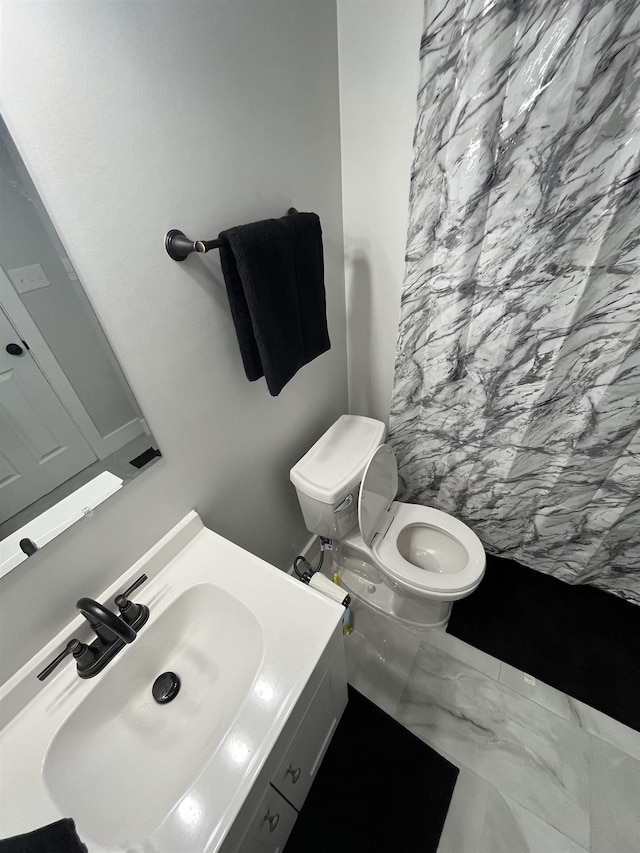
(180, 247)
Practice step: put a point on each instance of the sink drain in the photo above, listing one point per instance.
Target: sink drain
(166, 687)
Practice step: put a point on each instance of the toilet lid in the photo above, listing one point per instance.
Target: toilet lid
(378, 488)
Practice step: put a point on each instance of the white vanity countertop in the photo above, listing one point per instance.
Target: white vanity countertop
(296, 622)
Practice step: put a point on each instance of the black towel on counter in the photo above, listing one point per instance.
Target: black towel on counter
(58, 837)
(274, 273)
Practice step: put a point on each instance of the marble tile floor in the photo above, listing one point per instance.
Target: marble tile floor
(539, 771)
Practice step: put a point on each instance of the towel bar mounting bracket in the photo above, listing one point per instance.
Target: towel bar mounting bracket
(180, 247)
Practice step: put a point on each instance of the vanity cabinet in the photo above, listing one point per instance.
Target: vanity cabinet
(270, 811)
(301, 760)
(271, 824)
(224, 769)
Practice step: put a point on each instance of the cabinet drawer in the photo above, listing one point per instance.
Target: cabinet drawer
(271, 825)
(301, 760)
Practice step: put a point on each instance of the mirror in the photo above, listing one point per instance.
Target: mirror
(71, 431)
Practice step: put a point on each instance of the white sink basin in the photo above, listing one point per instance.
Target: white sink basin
(244, 639)
(135, 745)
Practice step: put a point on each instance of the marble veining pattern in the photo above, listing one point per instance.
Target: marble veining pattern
(516, 402)
(538, 757)
(539, 772)
(615, 793)
(510, 827)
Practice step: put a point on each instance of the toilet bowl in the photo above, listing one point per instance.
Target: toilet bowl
(406, 560)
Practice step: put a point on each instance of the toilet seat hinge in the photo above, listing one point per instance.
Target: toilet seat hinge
(387, 518)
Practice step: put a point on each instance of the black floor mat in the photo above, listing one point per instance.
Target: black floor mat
(579, 639)
(379, 789)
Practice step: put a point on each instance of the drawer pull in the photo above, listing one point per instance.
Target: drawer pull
(272, 819)
(295, 774)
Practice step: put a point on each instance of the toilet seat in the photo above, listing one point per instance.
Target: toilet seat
(451, 557)
(450, 584)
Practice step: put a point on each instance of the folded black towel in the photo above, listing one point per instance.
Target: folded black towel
(58, 837)
(274, 273)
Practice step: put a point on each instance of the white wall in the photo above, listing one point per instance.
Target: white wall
(378, 47)
(134, 118)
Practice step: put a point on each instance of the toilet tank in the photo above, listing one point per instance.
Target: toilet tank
(328, 476)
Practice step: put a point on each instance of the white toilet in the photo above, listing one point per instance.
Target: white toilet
(406, 560)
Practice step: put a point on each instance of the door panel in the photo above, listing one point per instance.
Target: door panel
(40, 445)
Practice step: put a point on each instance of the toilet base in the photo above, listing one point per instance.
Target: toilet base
(418, 613)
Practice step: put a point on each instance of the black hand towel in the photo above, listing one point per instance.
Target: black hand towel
(274, 273)
(58, 837)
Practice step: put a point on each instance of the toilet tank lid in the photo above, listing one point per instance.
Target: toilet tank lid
(335, 464)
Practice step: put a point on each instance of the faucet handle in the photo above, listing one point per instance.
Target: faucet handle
(123, 595)
(130, 612)
(77, 649)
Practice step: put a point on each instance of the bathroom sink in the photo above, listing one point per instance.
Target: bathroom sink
(145, 754)
(243, 638)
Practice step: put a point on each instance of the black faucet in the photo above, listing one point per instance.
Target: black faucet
(106, 624)
(112, 633)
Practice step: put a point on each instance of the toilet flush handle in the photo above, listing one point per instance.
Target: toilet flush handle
(345, 504)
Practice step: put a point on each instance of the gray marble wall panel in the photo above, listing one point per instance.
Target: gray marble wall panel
(516, 401)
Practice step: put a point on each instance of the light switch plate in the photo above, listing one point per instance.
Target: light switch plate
(28, 278)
